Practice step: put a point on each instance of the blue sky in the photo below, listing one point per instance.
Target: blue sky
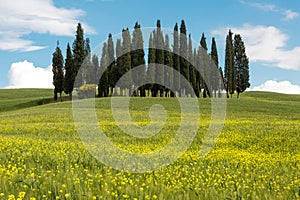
(29, 31)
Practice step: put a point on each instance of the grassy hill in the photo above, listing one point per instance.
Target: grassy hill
(257, 155)
(15, 99)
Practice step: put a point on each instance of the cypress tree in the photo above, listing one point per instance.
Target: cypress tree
(241, 64)
(138, 57)
(191, 59)
(215, 68)
(89, 73)
(111, 62)
(168, 71)
(151, 66)
(176, 60)
(126, 59)
(117, 70)
(95, 69)
(196, 74)
(87, 49)
(203, 42)
(58, 74)
(230, 73)
(103, 82)
(206, 71)
(159, 59)
(221, 85)
(79, 55)
(69, 72)
(184, 66)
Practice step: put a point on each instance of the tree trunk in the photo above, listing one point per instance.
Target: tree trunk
(55, 96)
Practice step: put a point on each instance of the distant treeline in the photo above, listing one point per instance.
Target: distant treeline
(162, 72)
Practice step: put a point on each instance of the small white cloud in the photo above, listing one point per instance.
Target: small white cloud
(20, 18)
(289, 15)
(284, 87)
(266, 44)
(25, 75)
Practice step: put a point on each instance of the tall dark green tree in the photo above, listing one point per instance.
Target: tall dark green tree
(215, 77)
(168, 61)
(196, 73)
(191, 59)
(87, 49)
(176, 59)
(151, 66)
(88, 68)
(58, 74)
(205, 69)
(159, 59)
(203, 42)
(70, 72)
(138, 58)
(117, 70)
(79, 54)
(126, 60)
(241, 64)
(184, 65)
(103, 82)
(221, 82)
(111, 62)
(230, 72)
(96, 69)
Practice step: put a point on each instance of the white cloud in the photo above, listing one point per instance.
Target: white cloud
(20, 18)
(266, 44)
(25, 75)
(287, 13)
(285, 87)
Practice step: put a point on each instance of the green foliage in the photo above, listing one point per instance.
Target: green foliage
(159, 59)
(205, 79)
(168, 61)
(70, 72)
(191, 59)
(103, 89)
(215, 78)
(230, 72)
(79, 54)
(181, 56)
(126, 60)
(241, 63)
(138, 58)
(183, 49)
(111, 61)
(58, 74)
(176, 60)
(151, 64)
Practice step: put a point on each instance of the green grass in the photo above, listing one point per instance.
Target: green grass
(257, 155)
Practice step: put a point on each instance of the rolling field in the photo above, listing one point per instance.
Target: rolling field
(257, 155)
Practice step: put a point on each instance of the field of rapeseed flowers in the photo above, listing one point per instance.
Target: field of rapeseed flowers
(257, 155)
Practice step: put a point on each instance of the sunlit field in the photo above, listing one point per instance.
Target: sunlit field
(257, 155)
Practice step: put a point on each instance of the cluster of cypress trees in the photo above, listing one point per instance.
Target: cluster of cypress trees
(129, 53)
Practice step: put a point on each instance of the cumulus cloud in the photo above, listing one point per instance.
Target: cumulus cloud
(266, 44)
(25, 75)
(285, 87)
(20, 18)
(287, 13)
